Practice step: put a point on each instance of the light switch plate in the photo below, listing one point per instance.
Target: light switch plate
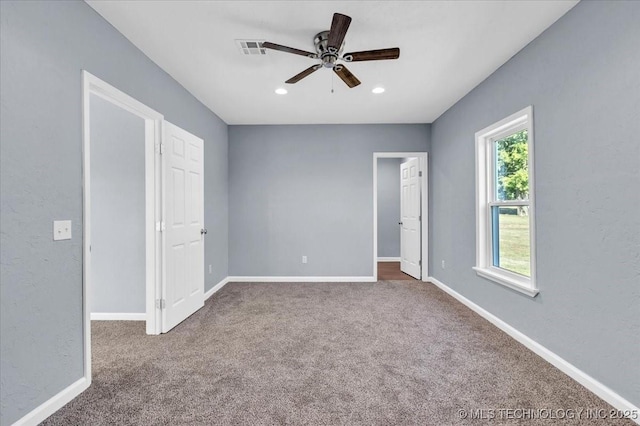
(61, 230)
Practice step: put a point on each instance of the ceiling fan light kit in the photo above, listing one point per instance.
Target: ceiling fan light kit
(329, 46)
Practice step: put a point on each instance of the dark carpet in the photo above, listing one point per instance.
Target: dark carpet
(323, 353)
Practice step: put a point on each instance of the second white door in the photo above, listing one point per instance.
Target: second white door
(410, 240)
(183, 237)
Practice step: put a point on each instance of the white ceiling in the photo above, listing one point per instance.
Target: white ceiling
(447, 48)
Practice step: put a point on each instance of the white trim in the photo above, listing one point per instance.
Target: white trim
(215, 288)
(506, 125)
(424, 192)
(560, 363)
(503, 277)
(47, 408)
(271, 279)
(389, 259)
(153, 202)
(118, 316)
(93, 85)
(162, 214)
(484, 268)
(86, 229)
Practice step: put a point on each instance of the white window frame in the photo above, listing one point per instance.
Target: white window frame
(485, 168)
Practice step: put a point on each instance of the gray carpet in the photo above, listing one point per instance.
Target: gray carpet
(390, 352)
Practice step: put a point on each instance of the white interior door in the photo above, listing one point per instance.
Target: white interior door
(183, 237)
(410, 217)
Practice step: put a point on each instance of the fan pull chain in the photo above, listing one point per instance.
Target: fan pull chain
(332, 79)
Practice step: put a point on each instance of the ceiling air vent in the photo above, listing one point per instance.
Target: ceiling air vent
(251, 47)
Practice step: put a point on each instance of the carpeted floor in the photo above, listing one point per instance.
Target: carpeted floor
(321, 353)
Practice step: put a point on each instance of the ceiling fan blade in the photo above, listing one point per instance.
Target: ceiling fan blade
(373, 55)
(338, 31)
(346, 76)
(296, 78)
(269, 45)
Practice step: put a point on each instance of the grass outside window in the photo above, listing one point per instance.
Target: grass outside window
(515, 247)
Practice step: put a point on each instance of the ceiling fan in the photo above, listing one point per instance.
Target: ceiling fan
(329, 46)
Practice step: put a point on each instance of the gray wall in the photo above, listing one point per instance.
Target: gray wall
(389, 207)
(307, 190)
(43, 48)
(117, 209)
(581, 76)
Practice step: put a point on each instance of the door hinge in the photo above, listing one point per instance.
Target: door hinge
(161, 304)
(160, 227)
(420, 218)
(420, 173)
(420, 262)
(161, 148)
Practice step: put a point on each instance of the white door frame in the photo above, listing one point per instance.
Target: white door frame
(424, 195)
(92, 85)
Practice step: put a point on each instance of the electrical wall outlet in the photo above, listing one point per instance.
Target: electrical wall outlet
(304, 259)
(443, 264)
(61, 230)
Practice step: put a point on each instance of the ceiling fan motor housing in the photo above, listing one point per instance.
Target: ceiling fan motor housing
(328, 55)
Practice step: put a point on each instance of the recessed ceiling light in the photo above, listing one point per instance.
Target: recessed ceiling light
(378, 90)
(281, 91)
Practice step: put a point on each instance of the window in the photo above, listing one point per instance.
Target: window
(505, 243)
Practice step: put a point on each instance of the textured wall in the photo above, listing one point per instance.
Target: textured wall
(307, 190)
(43, 48)
(389, 207)
(581, 76)
(117, 209)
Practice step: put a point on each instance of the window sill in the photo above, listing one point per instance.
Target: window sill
(506, 281)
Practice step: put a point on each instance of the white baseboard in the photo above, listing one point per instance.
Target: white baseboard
(117, 316)
(271, 279)
(55, 403)
(389, 259)
(560, 363)
(215, 288)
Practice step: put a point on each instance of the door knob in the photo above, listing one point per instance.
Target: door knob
(399, 223)
(203, 231)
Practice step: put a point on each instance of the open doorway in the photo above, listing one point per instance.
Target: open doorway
(400, 216)
(120, 204)
(143, 213)
(117, 212)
